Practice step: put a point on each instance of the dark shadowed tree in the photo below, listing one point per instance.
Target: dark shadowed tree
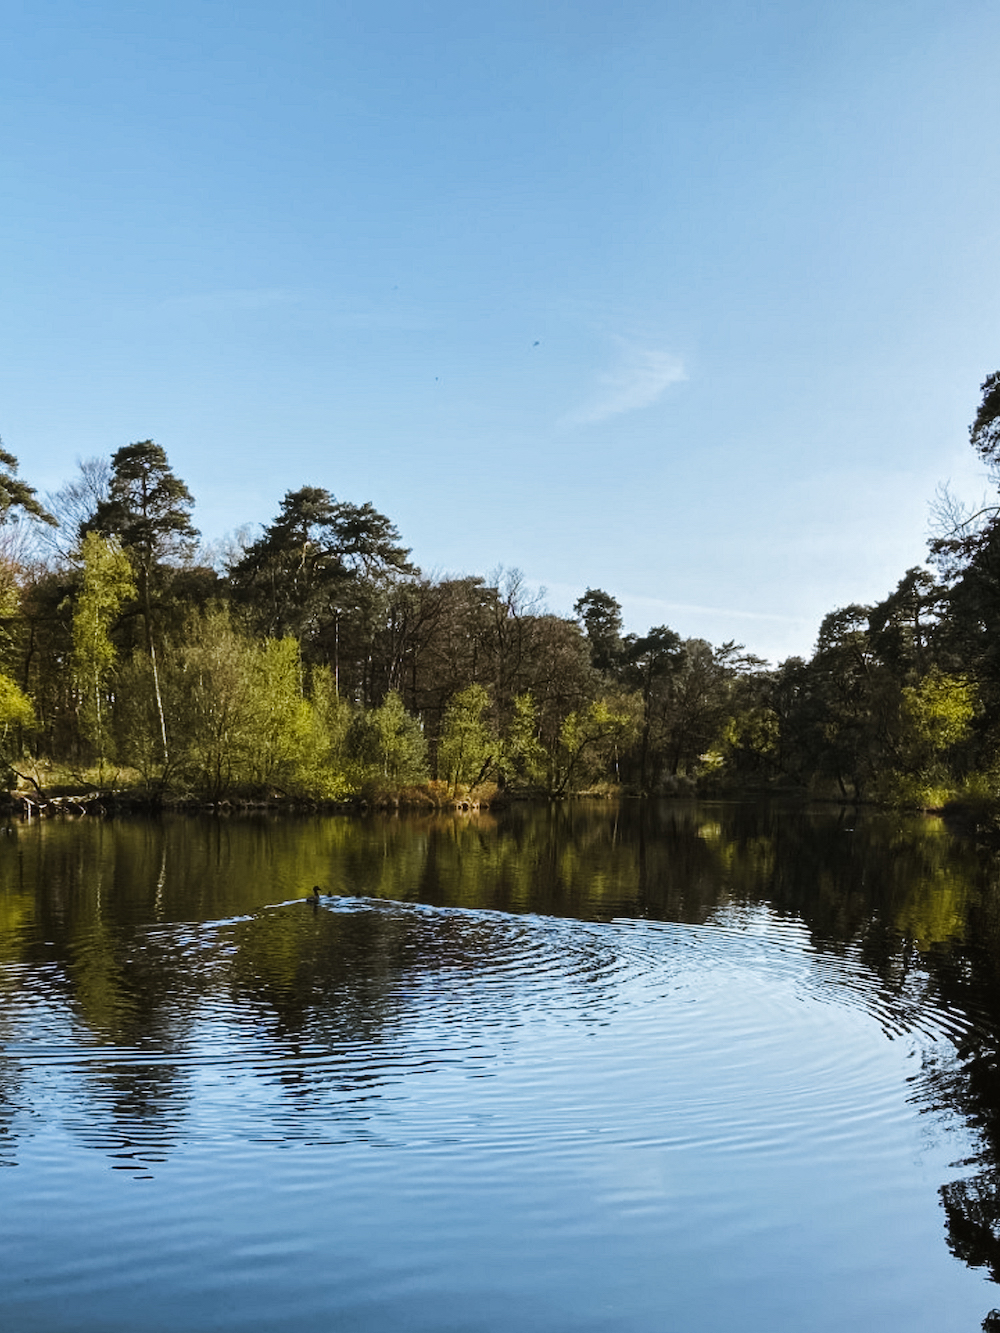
(148, 508)
(601, 616)
(985, 430)
(320, 572)
(961, 536)
(651, 662)
(904, 626)
(16, 494)
(705, 699)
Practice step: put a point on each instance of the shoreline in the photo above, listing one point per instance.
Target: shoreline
(962, 819)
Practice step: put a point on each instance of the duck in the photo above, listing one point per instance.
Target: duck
(317, 894)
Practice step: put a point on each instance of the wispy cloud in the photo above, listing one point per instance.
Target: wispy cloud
(643, 610)
(694, 608)
(640, 377)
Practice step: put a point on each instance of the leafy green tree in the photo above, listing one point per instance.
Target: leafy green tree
(872, 707)
(524, 756)
(557, 673)
(690, 708)
(16, 713)
(904, 627)
(938, 712)
(468, 747)
(106, 583)
(751, 740)
(287, 750)
(935, 716)
(589, 739)
(209, 685)
(140, 722)
(37, 645)
(402, 747)
(388, 744)
(17, 573)
(237, 715)
(850, 720)
(334, 715)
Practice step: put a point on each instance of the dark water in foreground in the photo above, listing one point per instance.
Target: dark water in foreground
(690, 1067)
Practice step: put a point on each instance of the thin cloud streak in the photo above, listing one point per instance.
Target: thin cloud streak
(641, 378)
(773, 616)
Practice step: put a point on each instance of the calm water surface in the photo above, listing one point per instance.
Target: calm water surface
(689, 1067)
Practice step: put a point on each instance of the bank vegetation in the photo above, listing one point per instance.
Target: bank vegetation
(313, 662)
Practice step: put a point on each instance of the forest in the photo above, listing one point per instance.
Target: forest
(313, 661)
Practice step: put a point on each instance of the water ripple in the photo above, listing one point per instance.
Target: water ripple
(407, 1009)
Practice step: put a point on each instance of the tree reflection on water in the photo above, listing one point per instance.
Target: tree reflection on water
(127, 945)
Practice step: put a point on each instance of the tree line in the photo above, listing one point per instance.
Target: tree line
(315, 659)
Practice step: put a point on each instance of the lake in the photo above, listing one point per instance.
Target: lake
(668, 1066)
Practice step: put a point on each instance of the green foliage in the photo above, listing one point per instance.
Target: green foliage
(106, 583)
(402, 747)
(875, 708)
(14, 580)
(148, 509)
(524, 756)
(387, 745)
(283, 749)
(468, 747)
(137, 730)
(16, 716)
(15, 708)
(841, 706)
(236, 713)
(922, 789)
(751, 740)
(590, 739)
(334, 715)
(937, 714)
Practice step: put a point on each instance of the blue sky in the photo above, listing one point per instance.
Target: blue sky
(689, 302)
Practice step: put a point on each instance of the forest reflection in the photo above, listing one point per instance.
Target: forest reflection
(123, 943)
